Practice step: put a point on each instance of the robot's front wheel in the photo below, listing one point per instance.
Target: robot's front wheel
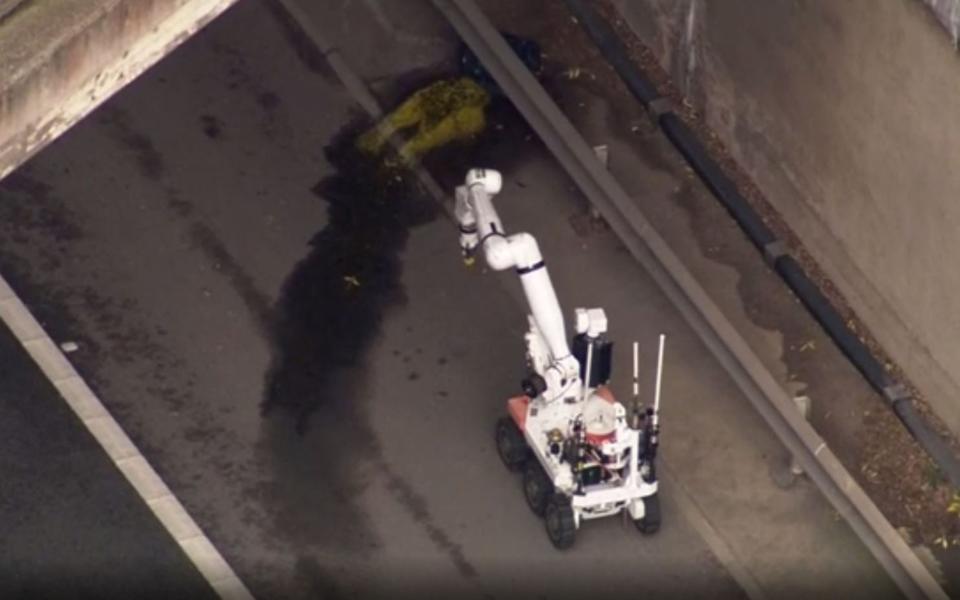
(559, 519)
(649, 523)
(511, 446)
(537, 487)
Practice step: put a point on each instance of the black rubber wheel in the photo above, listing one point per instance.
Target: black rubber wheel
(650, 522)
(511, 446)
(537, 487)
(558, 518)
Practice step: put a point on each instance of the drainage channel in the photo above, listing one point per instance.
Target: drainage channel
(646, 245)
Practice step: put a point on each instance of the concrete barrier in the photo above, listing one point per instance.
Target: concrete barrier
(8, 6)
(60, 60)
(842, 113)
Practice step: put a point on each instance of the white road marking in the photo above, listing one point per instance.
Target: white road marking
(115, 442)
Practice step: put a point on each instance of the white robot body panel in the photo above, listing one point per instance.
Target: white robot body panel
(570, 428)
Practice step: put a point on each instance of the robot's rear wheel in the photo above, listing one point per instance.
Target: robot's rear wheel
(537, 487)
(561, 526)
(511, 446)
(649, 523)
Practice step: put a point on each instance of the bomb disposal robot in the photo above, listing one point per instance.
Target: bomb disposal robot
(582, 455)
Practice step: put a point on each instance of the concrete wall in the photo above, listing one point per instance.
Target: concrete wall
(60, 60)
(847, 115)
(948, 13)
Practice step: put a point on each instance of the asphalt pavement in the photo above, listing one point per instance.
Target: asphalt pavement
(71, 525)
(317, 378)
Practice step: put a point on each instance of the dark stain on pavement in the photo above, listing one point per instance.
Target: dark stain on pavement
(177, 203)
(257, 303)
(306, 50)
(416, 507)
(40, 210)
(212, 126)
(333, 302)
(268, 101)
(148, 158)
(152, 166)
(318, 579)
(329, 311)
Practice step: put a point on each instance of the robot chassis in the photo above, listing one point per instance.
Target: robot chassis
(582, 455)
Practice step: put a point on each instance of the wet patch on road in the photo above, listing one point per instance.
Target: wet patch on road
(319, 580)
(257, 303)
(33, 209)
(866, 436)
(240, 77)
(36, 223)
(316, 437)
(149, 160)
(201, 235)
(268, 101)
(175, 202)
(212, 126)
(330, 311)
(306, 50)
(416, 507)
(332, 304)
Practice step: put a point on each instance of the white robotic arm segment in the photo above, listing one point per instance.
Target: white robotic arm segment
(480, 226)
(466, 220)
(499, 251)
(491, 181)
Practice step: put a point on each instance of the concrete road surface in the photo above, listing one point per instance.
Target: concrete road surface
(180, 236)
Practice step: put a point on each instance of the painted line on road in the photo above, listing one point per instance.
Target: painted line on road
(118, 446)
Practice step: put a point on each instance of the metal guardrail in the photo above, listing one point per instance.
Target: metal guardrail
(726, 344)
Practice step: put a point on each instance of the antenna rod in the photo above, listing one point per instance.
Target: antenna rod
(636, 370)
(656, 397)
(586, 384)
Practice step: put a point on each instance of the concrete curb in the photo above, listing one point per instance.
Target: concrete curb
(118, 446)
(646, 245)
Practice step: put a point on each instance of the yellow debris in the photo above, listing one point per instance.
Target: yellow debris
(443, 112)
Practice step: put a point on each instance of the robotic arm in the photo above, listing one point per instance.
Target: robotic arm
(480, 228)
